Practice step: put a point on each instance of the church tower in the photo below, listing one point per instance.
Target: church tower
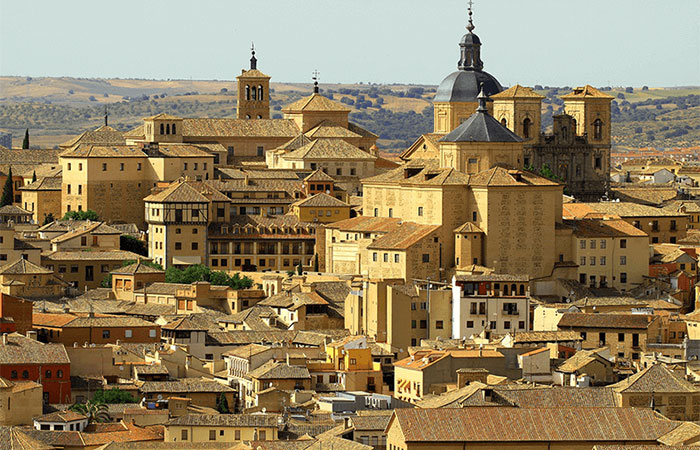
(456, 97)
(253, 92)
(520, 109)
(590, 108)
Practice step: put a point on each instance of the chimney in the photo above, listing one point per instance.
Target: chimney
(66, 309)
(4, 339)
(287, 358)
(31, 334)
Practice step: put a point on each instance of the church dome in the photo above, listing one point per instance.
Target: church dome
(470, 38)
(464, 86)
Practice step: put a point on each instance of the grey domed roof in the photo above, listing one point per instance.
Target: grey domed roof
(470, 38)
(464, 86)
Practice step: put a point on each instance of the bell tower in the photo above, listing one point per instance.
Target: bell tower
(253, 92)
(591, 110)
(520, 109)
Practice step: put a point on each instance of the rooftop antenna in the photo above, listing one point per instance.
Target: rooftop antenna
(315, 78)
(470, 26)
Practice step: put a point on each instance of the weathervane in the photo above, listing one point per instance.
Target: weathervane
(315, 74)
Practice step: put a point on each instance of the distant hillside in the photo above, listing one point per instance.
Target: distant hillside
(56, 108)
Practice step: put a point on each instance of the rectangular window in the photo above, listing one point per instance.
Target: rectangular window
(424, 324)
(376, 212)
(183, 435)
(374, 256)
(420, 210)
(386, 257)
(623, 243)
(128, 333)
(603, 243)
(521, 324)
(178, 246)
(396, 258)
(104, 167)
(602, 260)
(195, 246)
(413, 323)
(426, 258)
(74, 268)
(623, 277)
(391, 212)
(439, 324)
(105, 334)
(623, 260)
(261, 149)
(620, 337)
(237, 435)
(583, 260)
(592, 243)
(138, 166)
(583, 244)
(195, 166)
(470, 324)
(212, 435)
(592, 260)
(121, 167)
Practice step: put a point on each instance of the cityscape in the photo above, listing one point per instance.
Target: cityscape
(249, 264)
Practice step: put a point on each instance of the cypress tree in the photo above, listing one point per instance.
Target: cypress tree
(8, 194)
(222, 404)
(34, 176)
(25, 143)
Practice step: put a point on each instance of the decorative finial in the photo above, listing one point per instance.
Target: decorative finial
(106, 116)
(482, 98)
(315, 78)
(470, 26)
(253, 59)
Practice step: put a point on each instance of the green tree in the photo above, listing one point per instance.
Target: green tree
(222, 404)
(48, 219)
(199, 272)
(81, 215)
(25, 142)
(131, 244)
(300, 269)
(93, 410)
(8, 193)
(33, 176)
(112, 396)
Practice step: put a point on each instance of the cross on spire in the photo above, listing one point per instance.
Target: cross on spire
(470, 26)
(315, 74)
(106, 116)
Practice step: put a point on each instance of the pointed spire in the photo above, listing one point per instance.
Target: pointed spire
(253, 59)
(315, 78)
(470, 26)
(482, 98)
(106, 116)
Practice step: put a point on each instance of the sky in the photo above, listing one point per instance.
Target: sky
(547, 42)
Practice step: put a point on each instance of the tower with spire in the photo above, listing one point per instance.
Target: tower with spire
(253, 91)
(456, 97)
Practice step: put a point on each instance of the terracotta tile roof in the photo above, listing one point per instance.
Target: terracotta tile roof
(494, 277)
(109, 322)
(586, 92)
(486, 424)
(179, 192)
(104, 135)
(604, 228)
(655, 378)
(652, 196)
(626, 209)
(252, 73)
(322, 200)
(137, 267)
(501, 176)
(592, 320)
(280, 128)
(610, 301)
(406, 235)
(53, 320)
(517, 91)
(98, 434)
(163, 116)
(23, 267)
(318, 175)
(14, 210)
(580, 360)
(110, 255)
(367, 224)
(328, 129)
(247, 351)
(226, 420)
(577, 211)
(361, 131)
(668, 253)
(273, 370)
(23, 350)
(295, 143)
(97, 228)
(135, 133)
(468, 227)
(450, 399)
(683, 206)
(184, 385)
(44, 184)
(61, 416)
(127, 151)
(315, 102)
(558, 396)
(325, 148)
(185, 324)
(420, 172)
(16, 439)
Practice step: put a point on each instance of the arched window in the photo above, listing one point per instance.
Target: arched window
(13, 374)
(565, 133)
(513, 289)
(259, 116)
(598, 129)
(162, 128)
(254, 93)
(167, 129)
(522, 289)
(59, 374)
(260, 92)
(504, 122)
(526, 128)
(247, 116)
(25, 374)
(505, 289)
(47, 374)
(247, 92)
(174, 129)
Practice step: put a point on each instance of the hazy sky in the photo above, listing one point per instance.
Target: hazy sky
(557, 42)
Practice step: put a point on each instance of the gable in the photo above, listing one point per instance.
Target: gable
(423, 148)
